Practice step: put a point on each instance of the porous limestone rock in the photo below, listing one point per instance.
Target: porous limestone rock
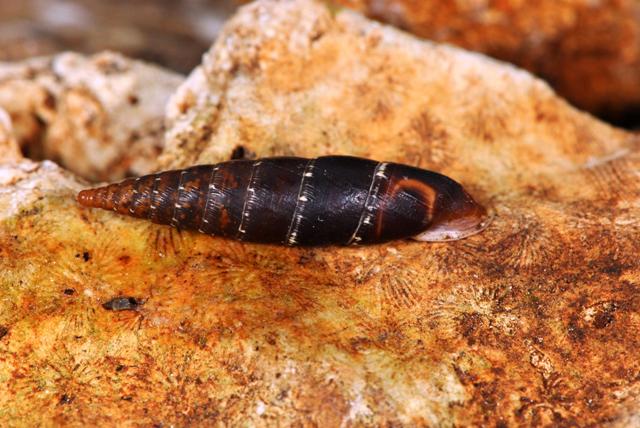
(107, 320)
(99, 116)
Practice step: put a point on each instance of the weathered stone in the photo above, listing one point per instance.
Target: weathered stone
(99, 116)
(588, 51)
(532, 322)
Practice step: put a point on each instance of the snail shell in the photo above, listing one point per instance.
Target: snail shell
(330, 200)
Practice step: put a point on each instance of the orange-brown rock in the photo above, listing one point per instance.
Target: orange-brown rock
(107, 320)
(99, 116)
(588, 51)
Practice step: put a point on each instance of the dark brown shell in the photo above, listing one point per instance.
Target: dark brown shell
(295, 201)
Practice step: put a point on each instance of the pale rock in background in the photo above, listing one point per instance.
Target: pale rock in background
(100, 116)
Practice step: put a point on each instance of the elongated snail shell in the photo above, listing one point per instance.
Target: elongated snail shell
(330, 200)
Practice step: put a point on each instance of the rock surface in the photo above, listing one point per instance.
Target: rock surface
(99, 116)
(9, 149)
(589, 51)
(106, 320)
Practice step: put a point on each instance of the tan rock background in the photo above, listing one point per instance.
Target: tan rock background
(107, 320)
(589, 51)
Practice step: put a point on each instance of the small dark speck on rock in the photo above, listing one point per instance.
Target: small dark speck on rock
(49, 101)
(3, 331)
(237, 153)
(282, 395)
(69, 291)
(603, 319)
(122, 303)
(65, 399)
(240, 152)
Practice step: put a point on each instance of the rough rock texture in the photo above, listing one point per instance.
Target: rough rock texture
(106, 319)
(99, 116)
(588, 50)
